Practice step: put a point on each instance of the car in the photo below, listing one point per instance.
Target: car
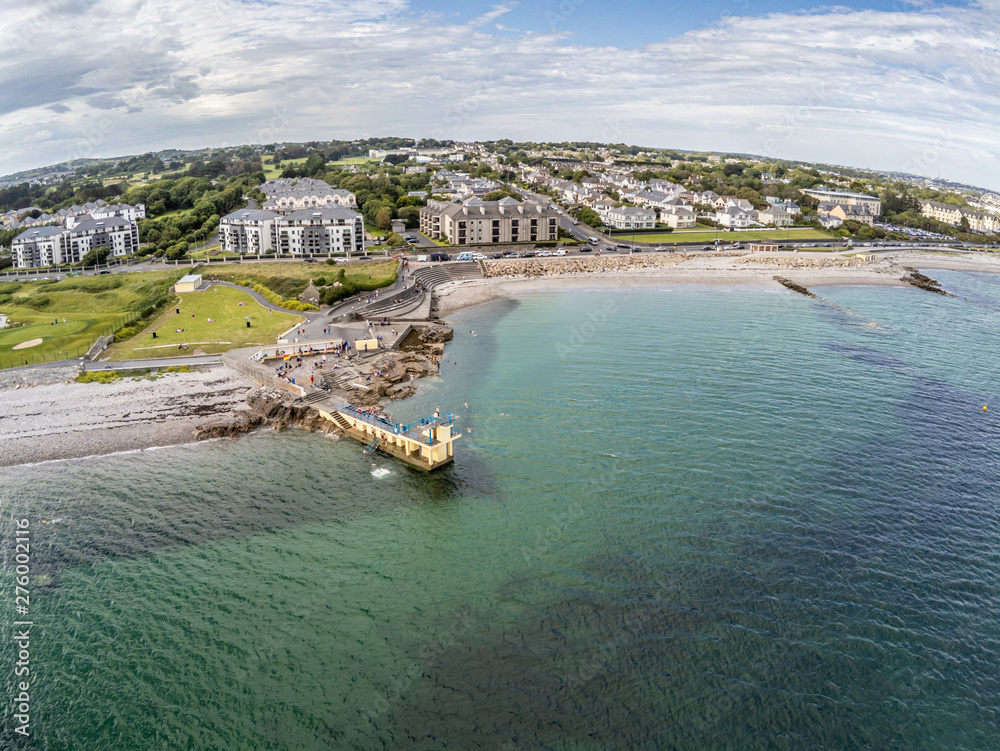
(660, 248)
(624, 247)
(586, 249)
(609, 249)
(543, 254)
(709, 247)
(102, 272)
(497, 255)
(559, 252)
(440, 257)
(511, 254)
(576, 221)
(309, 260)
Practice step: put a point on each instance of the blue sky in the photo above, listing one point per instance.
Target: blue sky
(907, 85)
(632, 23)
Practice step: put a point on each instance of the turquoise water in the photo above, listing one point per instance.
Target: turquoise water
(680, 518)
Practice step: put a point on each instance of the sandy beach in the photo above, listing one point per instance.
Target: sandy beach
(718, 271)
(68, 420)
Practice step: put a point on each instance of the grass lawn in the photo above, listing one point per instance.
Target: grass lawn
(90, 305)
(227, 331)
(356, 160)
(709, 235)
(290, 279)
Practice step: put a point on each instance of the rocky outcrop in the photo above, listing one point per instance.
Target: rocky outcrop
(435, 333)
(914, 277)
(267, 407)
(788, 283)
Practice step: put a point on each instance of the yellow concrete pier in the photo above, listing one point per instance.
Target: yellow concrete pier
(426, 444)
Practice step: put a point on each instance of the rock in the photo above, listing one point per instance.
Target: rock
(435, 333)
(793, 286)
(914, 277)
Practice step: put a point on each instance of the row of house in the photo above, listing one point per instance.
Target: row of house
(55, 245)
(285, 195)
(304, 233)
(68, 217)
(478, 222)
(978, 221)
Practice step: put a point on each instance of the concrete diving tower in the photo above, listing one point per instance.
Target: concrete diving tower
(426, 444)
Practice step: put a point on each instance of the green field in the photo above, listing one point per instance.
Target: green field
(92, 306)
(227, 329)
(291, 279)
(709, 235)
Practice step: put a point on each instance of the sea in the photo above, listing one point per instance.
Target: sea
(680, 517)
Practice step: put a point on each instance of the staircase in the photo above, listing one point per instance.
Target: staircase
(373, 445)
(341, 422)
(316, 396)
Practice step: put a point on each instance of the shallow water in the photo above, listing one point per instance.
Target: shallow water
(680, 518)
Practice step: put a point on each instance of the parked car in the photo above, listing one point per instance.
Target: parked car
(511, 254)
(559, 252)
(624, 247)
(309, 260)
(660, 248)
(586, 249)
(543, 253)
(497, 255)
(440, 257)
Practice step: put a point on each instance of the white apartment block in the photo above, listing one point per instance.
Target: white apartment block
(630, 217)
(48, 246)
(488, 222)
(322, 231)
(286, 195)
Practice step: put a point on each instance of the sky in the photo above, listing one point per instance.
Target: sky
(907, 85)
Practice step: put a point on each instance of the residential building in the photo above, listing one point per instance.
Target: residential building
(308, 232)
(978, 221)
(37, 247)
(735, 217)
(845, 212)
(630, 217)
(777, 215)
(248, 231)
(679, 217)
(55, 245)
(870, 204)
(321, 231)
(487, 222)
(285, 195)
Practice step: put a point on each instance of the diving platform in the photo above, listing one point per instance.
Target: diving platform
(426, 444)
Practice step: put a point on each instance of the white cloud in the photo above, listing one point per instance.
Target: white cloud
(886, 90)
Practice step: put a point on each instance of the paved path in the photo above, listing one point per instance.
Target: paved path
(159, 362)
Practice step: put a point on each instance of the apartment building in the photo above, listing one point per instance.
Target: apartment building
(54, 245)
(869, 204)
(308, 232)
(488, 222)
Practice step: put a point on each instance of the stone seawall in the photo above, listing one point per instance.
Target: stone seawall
(534, 267)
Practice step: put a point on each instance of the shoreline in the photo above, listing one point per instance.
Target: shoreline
(69, 420)
(708, 271)
(56, 418)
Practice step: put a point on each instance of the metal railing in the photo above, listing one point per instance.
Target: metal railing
(391, 426)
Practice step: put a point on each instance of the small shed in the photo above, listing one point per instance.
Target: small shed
(189, 283)
(763, 247)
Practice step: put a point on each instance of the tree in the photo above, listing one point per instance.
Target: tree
(396, 158)
(411, 215)
(95, 256)
(383, 218)
(589, 217)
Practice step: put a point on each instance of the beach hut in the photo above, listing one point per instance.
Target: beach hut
(189, 283)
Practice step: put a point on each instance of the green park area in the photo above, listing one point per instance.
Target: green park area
(210, 321)
(59, 320)
(289, 280)
(708, 236)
